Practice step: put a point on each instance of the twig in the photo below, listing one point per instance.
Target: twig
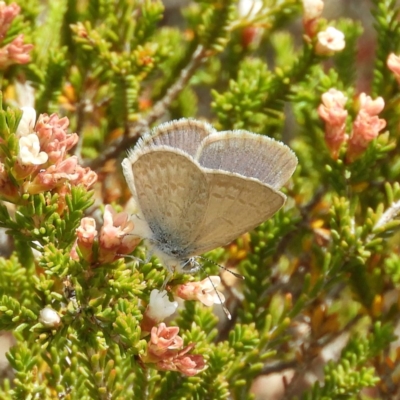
(138, 127)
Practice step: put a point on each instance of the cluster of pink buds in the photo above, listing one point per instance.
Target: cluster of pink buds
(115, 238)
(366, 125)
(15, 52)
(165, 350)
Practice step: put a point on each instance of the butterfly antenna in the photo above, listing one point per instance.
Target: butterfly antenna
(226, 311)
(222, 267)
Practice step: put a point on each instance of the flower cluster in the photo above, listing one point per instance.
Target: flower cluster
(165, 350)
(42, 163)
(165, 346)
(115, 238)
(160, 307)
(365, 128)
(15, 52)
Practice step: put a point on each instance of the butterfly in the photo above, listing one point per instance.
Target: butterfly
(197, 189)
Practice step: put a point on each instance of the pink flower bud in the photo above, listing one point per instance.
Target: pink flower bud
(52, 132)
(7, 15)
(393, 63)
(115, 235)
(366, 126)
(15, 52)
(334, 114)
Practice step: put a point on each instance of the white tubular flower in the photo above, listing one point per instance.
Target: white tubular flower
(49, 317)
(330, 41)
(29, 151)
(159, 306)
(27, 122)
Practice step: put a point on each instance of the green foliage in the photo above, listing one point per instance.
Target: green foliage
(322, 273)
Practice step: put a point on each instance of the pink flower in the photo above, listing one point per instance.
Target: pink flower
(366, 126)
(115, 226)
(371, 107)
(188, 364)
(84, 176)
(7, 15)
(86, 232)
(86, 235)
(165, 351)
(52, 132)
(329, 41)
(334, 114)
(203, 291)
(15, 52)
(393, 63)
(164, 340)
(56, 175)
(115, 235)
